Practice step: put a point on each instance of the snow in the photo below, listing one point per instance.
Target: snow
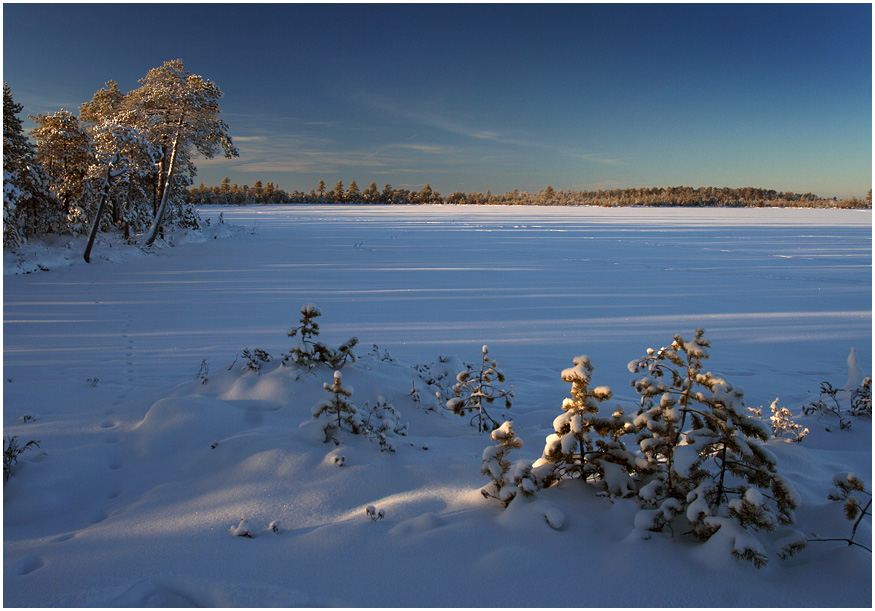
(144, 473)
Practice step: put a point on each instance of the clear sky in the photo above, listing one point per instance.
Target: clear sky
(489, 96)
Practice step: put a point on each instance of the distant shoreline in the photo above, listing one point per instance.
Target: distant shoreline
(655, 197)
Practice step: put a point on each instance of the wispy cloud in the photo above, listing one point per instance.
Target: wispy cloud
(595, 158)
(433, 149)
(267, 145)
(423, 114)
(249, 138)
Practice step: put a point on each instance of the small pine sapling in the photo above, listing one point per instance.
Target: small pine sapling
(307, 352)
(382, 421)
(781, 421)
(336, 359)
(11, 451)
(254, 359)
(303, 353)
(584, 444)
(474, 389)
(384, 356)
(507, 480)
(339, 412)
(704, 455)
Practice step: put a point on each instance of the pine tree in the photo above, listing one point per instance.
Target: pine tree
(474, 389)
(29, 207)
(304, 353)
(64, 149)
(308, 352)
(118, 146)
(353, 194)
(704, 455)
(507, 479)
(584, 444)
(339, 412)
(381, 422)
(178, 111)
(337, 192)
(387, 195)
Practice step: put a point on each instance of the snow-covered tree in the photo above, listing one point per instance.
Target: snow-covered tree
(475, 389)
(705, 460)
(308, 352)
(123, 158)
(507, 479)
(111, 120)
(381, 422)
(65, 150)
(29, 206)
(585, 444)
(339, 413)
(179, 112)
(861, 399)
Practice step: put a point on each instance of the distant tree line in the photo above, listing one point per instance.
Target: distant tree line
(127, 153)
(269, 193)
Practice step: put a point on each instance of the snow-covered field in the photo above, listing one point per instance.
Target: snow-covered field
(143, 470)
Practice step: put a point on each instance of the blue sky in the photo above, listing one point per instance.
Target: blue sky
(489, 96)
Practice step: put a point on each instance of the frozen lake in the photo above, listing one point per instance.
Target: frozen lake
(142, 469)
(783, 294)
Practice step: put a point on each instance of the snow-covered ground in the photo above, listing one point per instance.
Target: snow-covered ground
(143, 470)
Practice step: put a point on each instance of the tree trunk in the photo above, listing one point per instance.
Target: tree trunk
(104, 196)
(159, 215)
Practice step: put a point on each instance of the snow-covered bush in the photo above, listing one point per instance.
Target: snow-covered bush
(474, 388)
(308, 352)
(241, 530)
(857, 391)
(861, 399)
(382, 421)
(705, 461)
(441, 375)
(11, 451)
(507, 479)
(374, 514)
(781, 422)
(339, 412)
(254, 359)
(585, 444)
(823, 407)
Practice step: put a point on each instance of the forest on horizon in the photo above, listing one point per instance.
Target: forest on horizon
(269, 193)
